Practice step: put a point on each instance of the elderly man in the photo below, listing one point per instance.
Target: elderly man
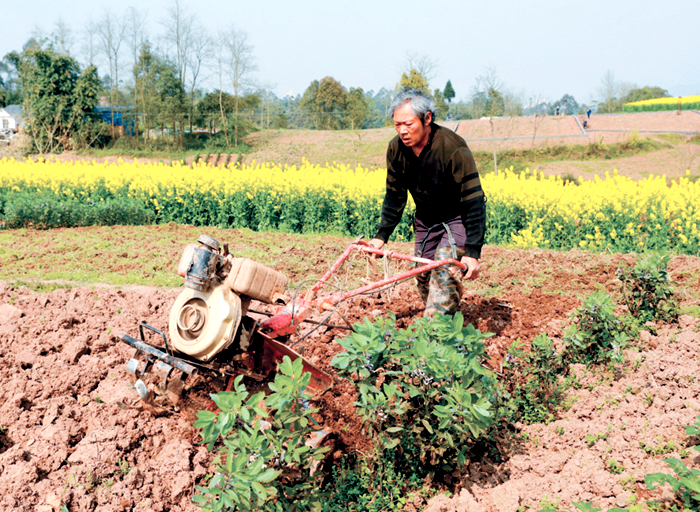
(435, 165)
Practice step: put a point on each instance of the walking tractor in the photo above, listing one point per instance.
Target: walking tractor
(210, 332)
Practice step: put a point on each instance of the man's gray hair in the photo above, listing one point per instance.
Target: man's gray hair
(420, 102)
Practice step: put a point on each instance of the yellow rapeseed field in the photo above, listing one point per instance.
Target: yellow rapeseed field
(667, 101)
(524, 210)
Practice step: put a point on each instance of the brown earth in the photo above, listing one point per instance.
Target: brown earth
(70, 432)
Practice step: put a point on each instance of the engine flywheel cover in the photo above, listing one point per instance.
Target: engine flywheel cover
(204, 323)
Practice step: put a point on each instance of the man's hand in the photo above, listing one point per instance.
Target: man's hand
(473, 267)
(377, 244)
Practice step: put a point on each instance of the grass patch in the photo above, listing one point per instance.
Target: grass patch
(148, 256)
(41, 286)
(671, 138)
(693, 311)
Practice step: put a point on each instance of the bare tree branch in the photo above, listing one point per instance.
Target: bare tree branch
(239, 65)
(422, 63)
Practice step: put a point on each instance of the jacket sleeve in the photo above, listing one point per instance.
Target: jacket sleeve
(472, 200)
(394, 200)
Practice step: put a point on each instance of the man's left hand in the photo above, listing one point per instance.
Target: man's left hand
(473, 267)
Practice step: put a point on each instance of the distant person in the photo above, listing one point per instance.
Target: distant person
(556, 112)
(585, 124)
(437, 168)
(588, 113)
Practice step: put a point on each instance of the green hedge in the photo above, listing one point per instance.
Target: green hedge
(49, 211)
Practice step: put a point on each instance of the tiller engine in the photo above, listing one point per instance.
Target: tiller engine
(211, 333)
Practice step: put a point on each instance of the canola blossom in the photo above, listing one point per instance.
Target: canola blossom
(616, 213)
(523, 210)
(669, 103)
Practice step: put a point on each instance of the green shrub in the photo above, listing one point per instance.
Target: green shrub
(422, 389)
(263, 469)
(647, 289)
(372, 485)
(533, 390)
(685, 482)
(599, 337)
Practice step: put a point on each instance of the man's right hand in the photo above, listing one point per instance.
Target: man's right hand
(377, 244)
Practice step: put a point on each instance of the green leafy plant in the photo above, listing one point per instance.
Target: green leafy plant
(257, 468)
(647, 289)
(124, 467)
(592, 439)
(660, 448)
(614, 467)
(374, 485)
(422, 388)
(627, 483)
(598, 337)
(532, 387)
(685, 483)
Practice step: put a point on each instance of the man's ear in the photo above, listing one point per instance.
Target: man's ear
(428, 118)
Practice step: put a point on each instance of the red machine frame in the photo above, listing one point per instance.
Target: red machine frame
(287, 320)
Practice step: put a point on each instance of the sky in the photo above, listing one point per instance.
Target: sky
(539, 49)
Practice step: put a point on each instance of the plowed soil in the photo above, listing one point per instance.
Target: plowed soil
(74, 435)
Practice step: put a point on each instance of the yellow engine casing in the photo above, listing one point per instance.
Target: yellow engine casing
(202, 324)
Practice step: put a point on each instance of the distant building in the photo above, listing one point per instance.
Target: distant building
(11, 118)
(121, 117)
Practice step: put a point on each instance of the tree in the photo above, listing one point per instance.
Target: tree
(422, 64)
(567, 105)
(111, 35)
(490, 99)
(645, 93)
(440, 105)
(190, 45)
(611, 92)
(59, 99)
(10, 93)
(209, 108)
(356, 108)
(89, 46)
(449, 92)
(135, 39)
(414, 80)
(238, 64)
(178, 32)
(201, 54)
(324, 103)
(162, 93)
(295, 115)
(62, 37)
(379, 108)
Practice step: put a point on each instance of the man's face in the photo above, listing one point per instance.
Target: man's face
(413, 133)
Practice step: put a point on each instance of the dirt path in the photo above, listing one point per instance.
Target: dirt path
(70, 436)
